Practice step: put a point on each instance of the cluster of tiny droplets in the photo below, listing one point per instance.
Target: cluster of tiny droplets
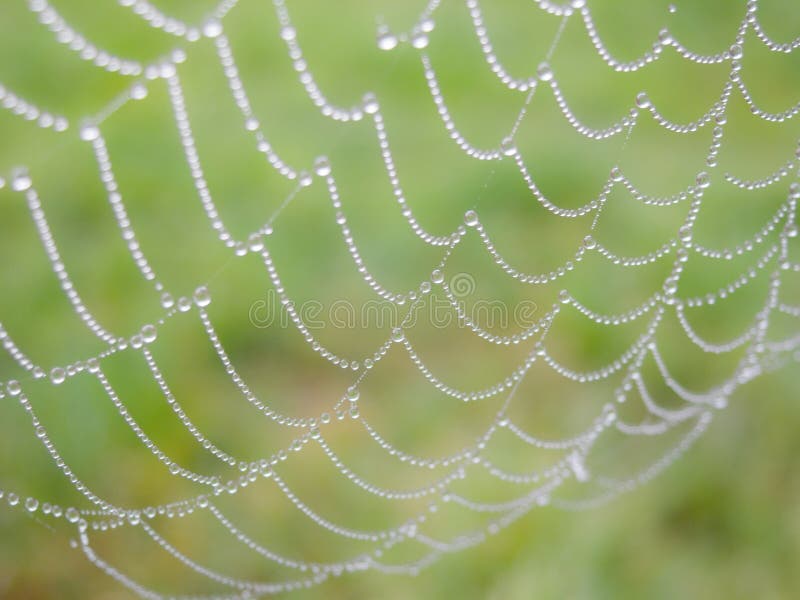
(73, 40)
(572, 465)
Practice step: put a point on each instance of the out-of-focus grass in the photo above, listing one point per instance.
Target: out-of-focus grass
(721, 523)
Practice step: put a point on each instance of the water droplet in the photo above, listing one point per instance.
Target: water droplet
(304, 179)
(212, 28)
(703, 180)
(13, 388)
(507, 146)
(642, 100)
(437, 276)
(58, 375)
(352, 394)
(322, 167)
(149, 334)
(138, 91)
(184, 304)
(31, 504)
(471, 218)
(20, 180)
(589, 242)
(89, 132)
(370, 103)
(288, 33)
(736, 52)
(202, 297)
(387, 41)
(255, 242)
(419, 40)
(398, 335)
(251, 124)
(167, 301)
(544, 72)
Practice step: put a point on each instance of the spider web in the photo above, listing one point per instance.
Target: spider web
(676, 412)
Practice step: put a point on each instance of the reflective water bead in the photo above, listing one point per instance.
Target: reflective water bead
(370, 103)
(202, 297)
(20, 180)
(352, 394)
(13, 388)
(184, 304)
(288, 33)
(212, 28)
(322, 167)
(544, 72)
(471, 218)
(419, 40)
(642, 100)
(58, 375)
(387, 41)
(167, 301)
(149, 334)
(398, 335)
(89, 132)
(31, 504)
(138, 91)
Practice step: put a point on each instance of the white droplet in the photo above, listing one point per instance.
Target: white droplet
(89, 132)
(212, 28)
(31, 504)
(184, 304)
(544, 72)
(352, 394)
(304, 179)
(387, 41)
(370, 103)
(437, 276)
(251, 124)
(167, 301)
(322, 166)
(508, 147)
(471, 218)
(398, 335)
(288, 33)
(13, 388)
(138, 91)
(20, 180)
(419, 40)
(149, 334)
(202, 297)
(58, 375)
(642, 100)
(589, 242)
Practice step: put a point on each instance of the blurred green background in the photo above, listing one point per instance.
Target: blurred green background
(723, 522)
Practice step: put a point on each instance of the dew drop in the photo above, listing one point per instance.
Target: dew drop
(31, 504)
(20, 180)
(288, 33)
(167, 301)
(544, 72)
(58, 375)
(398, 335)
(89, 132)
(138, 91)
(212, 28)
(370, 103)
(387, 41)
(149, 334)
(202, 297)
(322, 166)
(419, 40)
(353, 394)
(471, 218)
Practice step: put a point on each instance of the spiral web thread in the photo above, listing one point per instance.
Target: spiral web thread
(538, 488)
